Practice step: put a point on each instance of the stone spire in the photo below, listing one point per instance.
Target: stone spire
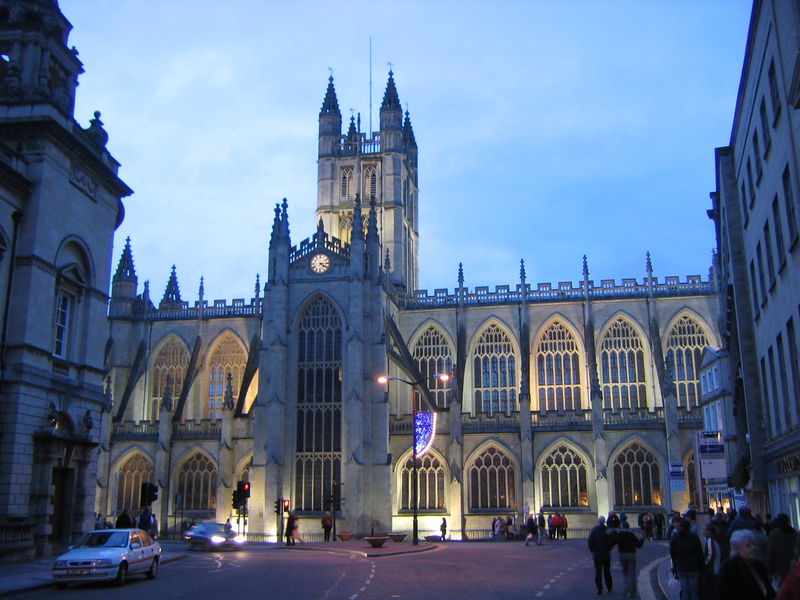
(649, 270)
(330, 105)
(408, 133)
(391, 100)
(125, 268)
(201, 291)
(352, 132)
(357, 233)
(172, 294)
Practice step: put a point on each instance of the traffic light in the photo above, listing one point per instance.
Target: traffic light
(278, 504)
(236, 500)
(285, 506)
(244, 488)
(148, 493)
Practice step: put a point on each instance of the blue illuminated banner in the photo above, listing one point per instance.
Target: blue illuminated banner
(425, 427)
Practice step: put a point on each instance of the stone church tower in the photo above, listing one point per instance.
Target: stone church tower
(382, 166)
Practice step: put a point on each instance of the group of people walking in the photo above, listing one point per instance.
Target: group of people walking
(603, 537)
(736, 556)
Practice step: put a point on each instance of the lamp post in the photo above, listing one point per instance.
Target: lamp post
(383, 379)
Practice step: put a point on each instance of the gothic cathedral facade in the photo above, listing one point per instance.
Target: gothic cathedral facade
(581, 398)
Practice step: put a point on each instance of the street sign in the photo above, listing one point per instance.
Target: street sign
(677, 480)
(711, 454)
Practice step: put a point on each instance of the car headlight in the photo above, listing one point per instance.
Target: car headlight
(102, 562)
(217, 539)
(239, 539)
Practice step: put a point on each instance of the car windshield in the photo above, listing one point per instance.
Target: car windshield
(104, 539)
(211, 527)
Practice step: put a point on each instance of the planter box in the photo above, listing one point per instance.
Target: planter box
(397, 536)
(345, 536)
(376, 541)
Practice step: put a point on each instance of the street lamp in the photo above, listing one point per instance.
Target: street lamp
(425, 425)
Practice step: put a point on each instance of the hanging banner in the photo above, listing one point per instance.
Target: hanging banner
(425, 428)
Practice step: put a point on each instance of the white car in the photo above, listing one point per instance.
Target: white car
(108, 555)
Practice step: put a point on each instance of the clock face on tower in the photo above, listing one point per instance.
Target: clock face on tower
(320, 263)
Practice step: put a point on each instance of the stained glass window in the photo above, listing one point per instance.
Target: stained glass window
(319, 406)
(558, 369)
(134, 472)
(494, 372)
(563, 478)
(491, 479)
(685, 345)
(228, 357)
(431, 483)
(197, 483)
(623, 376)
(636, 478)
(171, 362)
(433, 356)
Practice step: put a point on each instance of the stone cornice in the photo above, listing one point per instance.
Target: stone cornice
(70, 140)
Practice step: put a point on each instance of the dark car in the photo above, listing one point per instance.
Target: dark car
(213, 536)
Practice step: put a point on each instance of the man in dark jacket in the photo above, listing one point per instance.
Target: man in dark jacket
(600, 547)
(627, 542)
(686, 551)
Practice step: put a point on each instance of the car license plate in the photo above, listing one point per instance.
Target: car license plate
(77, 571)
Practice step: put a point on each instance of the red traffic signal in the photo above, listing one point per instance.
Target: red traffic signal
(285, 506)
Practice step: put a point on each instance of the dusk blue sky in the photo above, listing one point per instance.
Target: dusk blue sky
(546, 129)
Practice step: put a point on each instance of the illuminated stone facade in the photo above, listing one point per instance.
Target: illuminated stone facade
(575, 396)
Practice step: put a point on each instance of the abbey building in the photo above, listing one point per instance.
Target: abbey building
(577, 397)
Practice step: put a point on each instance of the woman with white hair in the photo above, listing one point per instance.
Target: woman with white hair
(743, 576)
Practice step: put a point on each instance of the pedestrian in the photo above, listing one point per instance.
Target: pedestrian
(510, 528)
(613, 520)
(145, 519)
(288, 533)
(600, 547)
(153, 530)
(647, 521)
(712, 560)
(686, 551)
(555, 522)
(564, 525)
(627, 542)
(497, 527)
(327, 525)
(782, 546)
(790, 590)
(443, 528)
(296, 534)
(533, 530)
(124, 521)
(743, 576)
(541, 523)
(551, 532)
(99, 522)
(658, 522)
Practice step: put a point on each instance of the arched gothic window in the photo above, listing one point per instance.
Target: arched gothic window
(622, 368)
(171, 362)
(636, 478)
(228, 357)
(346, 183)
(430, 473)
(563, 476)
(685, 345)
(197, 483)
(559, 374)
(491, 480)
(494, 371)
(433, 357)
(370, 184)
(318, 460)
(134, 472)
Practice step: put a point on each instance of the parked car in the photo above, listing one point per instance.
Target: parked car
(213, 536)
(106, 555)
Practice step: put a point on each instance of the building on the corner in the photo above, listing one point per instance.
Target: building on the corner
(755, 210)
(60, 202)
(579, 397)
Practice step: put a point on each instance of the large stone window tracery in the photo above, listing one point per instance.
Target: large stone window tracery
(430, 473)
(171, 364)
(558, 369)
(494, 371)
(623, 378)
(685, 345)
(563, 479)
(319, 406)
(197, 483)
(491, 479)
(134, 472)
(228, 357)
(637, 480)
(433, 356)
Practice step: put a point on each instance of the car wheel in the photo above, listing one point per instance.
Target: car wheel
(151, 574)
(122, 574)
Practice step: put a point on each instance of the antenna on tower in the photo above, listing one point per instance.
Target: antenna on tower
(370, 88)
